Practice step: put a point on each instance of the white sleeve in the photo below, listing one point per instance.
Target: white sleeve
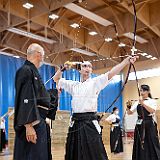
(101, 81)
(152, 104)
(111, 118)
(67, 85)
(134, 106)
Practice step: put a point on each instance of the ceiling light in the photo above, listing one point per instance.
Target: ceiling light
(121, 45)
(108, 39)
(88, 14)
(31, 35)
(93, 33)
(28, 5)
(83, 51)
(74, 25)
(144, 54)
(138, 38)
(53, 16)
(153, 58)
(149, 56)
(16, 56)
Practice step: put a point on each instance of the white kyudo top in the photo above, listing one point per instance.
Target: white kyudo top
(112, 118)
(148, 102)
(84, 94)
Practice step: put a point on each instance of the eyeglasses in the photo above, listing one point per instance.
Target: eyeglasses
(85, 66)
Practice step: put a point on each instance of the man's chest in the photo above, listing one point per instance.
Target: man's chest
(88, 88)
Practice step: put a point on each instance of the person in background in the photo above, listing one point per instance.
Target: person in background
(146, 143)
(2, 134)
(116, 143)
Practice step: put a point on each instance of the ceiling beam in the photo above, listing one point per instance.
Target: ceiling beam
(141, 2)
(45, 3)
(4, 37)
(153, 44)
(3, 49)
(83, 39)
(60, 13)
(43, 20)
(143, 16)
(15, 49)
(149, 49)
(113, 11)
(154, 13)
(35, 12)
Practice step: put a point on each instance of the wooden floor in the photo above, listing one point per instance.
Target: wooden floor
(58, 153)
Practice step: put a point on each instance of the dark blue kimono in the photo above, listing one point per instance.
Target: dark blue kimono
(31, 93)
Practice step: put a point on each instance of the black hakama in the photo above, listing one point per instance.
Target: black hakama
(3, 139)
(116, 143)
(84, 142)
(29, 151)
(147, 131)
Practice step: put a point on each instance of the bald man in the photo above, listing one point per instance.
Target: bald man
(31, 108)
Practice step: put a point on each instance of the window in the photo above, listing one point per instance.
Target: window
(155, 72)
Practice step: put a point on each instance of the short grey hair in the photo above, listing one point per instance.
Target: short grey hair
(35, 47)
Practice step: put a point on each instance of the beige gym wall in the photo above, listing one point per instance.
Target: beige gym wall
(130, 91)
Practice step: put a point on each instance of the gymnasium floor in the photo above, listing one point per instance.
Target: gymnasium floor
(58, 153)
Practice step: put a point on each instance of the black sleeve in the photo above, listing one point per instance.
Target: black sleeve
(26, 110)
(53, 103)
